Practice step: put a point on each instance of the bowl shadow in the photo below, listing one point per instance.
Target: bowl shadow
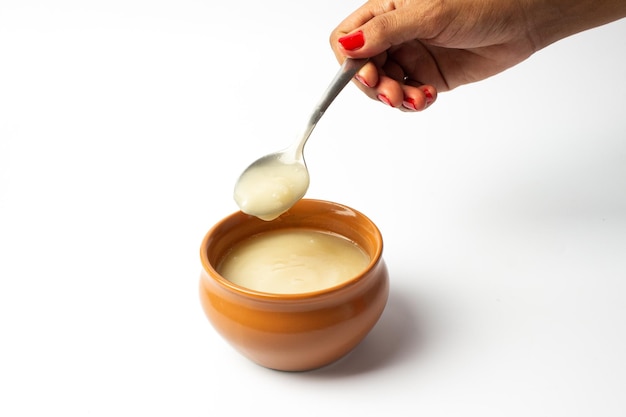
(396, 338)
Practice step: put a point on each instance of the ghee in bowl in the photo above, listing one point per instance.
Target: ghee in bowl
(293, 261)
(291, 309)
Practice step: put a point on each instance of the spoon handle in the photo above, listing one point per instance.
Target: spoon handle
(348, 69)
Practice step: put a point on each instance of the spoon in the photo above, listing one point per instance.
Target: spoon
(275, 182)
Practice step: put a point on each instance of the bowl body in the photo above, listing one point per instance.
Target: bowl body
(295, 332)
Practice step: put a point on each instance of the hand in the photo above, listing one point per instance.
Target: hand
(421, 47)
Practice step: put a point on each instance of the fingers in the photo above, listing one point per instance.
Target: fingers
(385, 80)
(389, 84)
(410, 96)
(404, 94)
(418, 100)
(370, 32)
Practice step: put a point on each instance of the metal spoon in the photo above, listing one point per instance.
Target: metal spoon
(275, 182)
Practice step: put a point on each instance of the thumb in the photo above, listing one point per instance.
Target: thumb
(375, 27)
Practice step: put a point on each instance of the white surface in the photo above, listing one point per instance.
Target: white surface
(123, 126)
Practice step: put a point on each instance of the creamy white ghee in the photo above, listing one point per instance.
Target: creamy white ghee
(293, 261)
(269, 189)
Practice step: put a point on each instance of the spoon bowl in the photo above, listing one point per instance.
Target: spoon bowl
(274, 183)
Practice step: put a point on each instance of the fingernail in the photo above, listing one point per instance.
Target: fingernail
(429, 97)
(352, 41)
(384, 99)
(409, 103)
(362, 80)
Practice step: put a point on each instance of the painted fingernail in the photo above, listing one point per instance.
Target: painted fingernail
(429, 97)
(409, 103)
(384, 99)
(352, 41)
(362, 80)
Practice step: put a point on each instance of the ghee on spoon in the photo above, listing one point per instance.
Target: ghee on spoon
(274, 183)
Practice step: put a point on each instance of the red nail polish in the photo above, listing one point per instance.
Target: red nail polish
(384, 99)
(429, 96)
(409, 103)
(362, 80)
(352, 41)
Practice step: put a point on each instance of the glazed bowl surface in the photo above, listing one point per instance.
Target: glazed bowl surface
(300, 331)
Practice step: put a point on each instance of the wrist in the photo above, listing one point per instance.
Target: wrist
(549, 21)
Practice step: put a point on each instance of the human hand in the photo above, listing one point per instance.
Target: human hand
(421, 47)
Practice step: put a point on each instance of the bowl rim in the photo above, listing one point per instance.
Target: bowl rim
(211, 273)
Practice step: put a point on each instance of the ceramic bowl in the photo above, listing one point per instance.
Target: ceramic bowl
(295, 332)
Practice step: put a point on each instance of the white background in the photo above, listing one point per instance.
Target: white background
(123, 127)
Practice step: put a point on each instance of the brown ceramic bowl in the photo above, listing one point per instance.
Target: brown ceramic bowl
(295, 332)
